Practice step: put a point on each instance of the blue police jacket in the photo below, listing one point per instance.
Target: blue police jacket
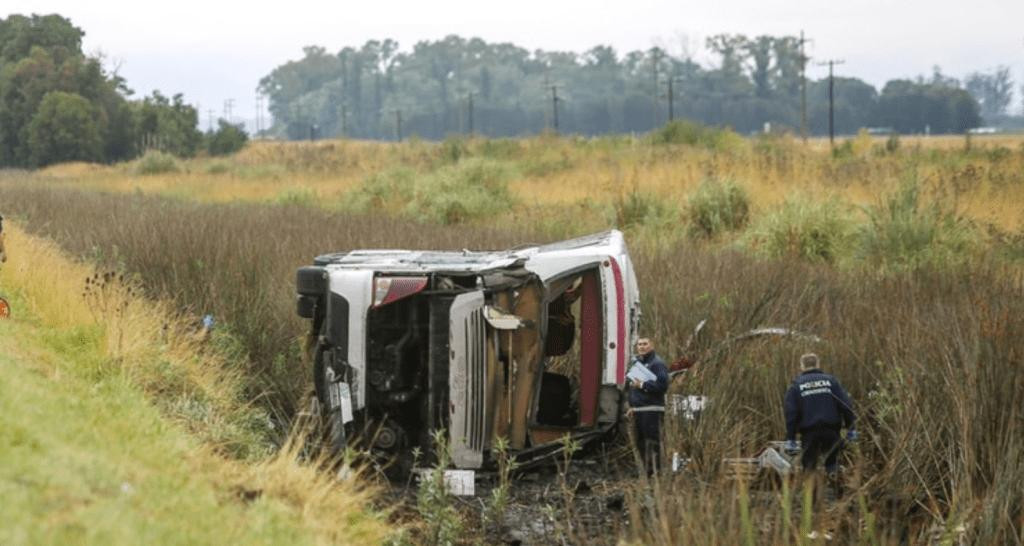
(652, 393)
(816, 399)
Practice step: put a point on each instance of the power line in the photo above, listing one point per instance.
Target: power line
(831, 99)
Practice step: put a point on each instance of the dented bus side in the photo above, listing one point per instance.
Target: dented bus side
(528, 345)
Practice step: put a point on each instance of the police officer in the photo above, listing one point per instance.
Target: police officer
(818, 407)
(647, 404)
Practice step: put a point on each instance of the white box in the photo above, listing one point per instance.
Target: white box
(461, 483)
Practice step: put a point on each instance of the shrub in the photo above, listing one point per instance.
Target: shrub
(453, 149)
(156, 162)
(540, 163)
(218, 167)
(717, 206)
(892, 144)
(901, 233)
(472, 189)
(695, 134)
(638, 208)
(501, 148)
(802, 228)
(381, 191)
(297, 196)
(227, 139)
(433, 501)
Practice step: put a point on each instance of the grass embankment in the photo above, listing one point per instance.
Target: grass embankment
(116, 427)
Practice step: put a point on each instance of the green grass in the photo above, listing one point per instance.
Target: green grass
(95, 452)
(91, 461)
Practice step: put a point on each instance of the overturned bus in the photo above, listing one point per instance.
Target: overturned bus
(529, 344)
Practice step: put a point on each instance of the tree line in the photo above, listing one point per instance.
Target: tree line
(58, 104)
(455, 85)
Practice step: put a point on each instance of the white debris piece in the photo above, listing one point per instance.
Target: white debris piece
(460, 482)
(687, 406)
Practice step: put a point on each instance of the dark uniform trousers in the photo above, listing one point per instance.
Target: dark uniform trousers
(648, 438)
(820, 441)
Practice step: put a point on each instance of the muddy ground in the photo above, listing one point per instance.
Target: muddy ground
(556, 502)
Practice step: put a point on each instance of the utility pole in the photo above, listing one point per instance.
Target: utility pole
(259, 110)
(672, 99)
(554, 105)
(803, 89)
(344, 119)
(227, 109)
(398, 124)
(471, 113)
(656, 55)
(209, 119)
(831, 100)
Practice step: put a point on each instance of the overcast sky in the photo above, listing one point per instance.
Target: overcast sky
(216, 50)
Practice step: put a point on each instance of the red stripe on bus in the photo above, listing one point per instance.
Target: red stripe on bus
(620, 324)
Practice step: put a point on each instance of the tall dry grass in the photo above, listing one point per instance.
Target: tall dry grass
(234, 261)
(984, 179)
(932, 359)
(932, 356)
(931, 353)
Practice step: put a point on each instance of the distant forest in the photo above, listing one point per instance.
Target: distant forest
(59, 104)
(456, 85)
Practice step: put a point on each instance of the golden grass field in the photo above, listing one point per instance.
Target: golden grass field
(986, 184)
(920, 314)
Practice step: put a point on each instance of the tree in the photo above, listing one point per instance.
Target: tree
(787, 61)
(729, 48)
(938, 106)
(760, 50)
(599, 91)
(66, 127)
(993, 91)
(169, 125)
(19, 34)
